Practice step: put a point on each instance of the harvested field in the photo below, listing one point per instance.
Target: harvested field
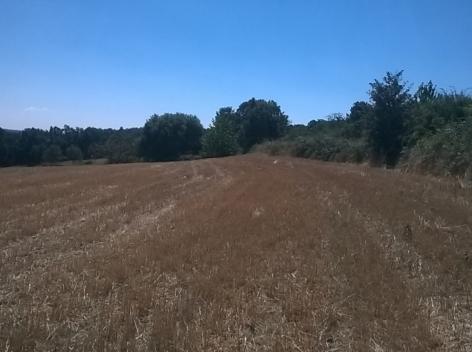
(237, 254)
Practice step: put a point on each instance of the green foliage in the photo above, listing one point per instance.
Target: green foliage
(234, 131)
(425, 93)
(166, 137)
(439, 132)
(169, 136)
(3, 148)
(30, 146)
(432, 112)
(430, 131)
(9, 150)
(121, 148)
(330, 139)
(297, 130)
(260, 120)
(53, 154)
(359, 120)
(221, 139)
(446, 152)
(324, 148)
(391, 101)
(74, 153)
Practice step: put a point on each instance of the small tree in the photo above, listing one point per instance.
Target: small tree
(390, 98)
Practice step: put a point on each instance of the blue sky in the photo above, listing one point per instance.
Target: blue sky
(114, 63)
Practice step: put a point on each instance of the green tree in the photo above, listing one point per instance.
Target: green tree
(221, 139)
(121, 148)
(74, 153)
(260, 120)
(3, 148)
(53, 154)
(169, 136)
(360, 110)
(358, 119)
(31, 145)
(391, 99)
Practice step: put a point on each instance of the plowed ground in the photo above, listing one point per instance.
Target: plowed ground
(237, 254)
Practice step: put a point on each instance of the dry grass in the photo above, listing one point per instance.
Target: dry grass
(240, 253)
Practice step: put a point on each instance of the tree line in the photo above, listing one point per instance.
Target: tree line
(34, 146)
(429, 129)
(164, 137)
(426, 130)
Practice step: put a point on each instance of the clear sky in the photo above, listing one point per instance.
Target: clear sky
(112, 63)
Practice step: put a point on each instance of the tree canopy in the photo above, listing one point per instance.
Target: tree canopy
(169, 136)
(222, 138)
(261, 120)
(391, 99)
(255, 121)
(430, 129)
(32, 146)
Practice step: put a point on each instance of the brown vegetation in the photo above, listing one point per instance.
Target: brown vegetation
(243, 253)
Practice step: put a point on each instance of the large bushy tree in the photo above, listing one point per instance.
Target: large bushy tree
(260, 120)
(169, 136)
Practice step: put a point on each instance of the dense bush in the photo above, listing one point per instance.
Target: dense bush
(448, 151)
(327, 149)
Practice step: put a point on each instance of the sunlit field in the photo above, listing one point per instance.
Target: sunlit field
(243, 253)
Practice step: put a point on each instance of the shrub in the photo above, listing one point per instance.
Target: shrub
(327, 149)
(447, 152)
